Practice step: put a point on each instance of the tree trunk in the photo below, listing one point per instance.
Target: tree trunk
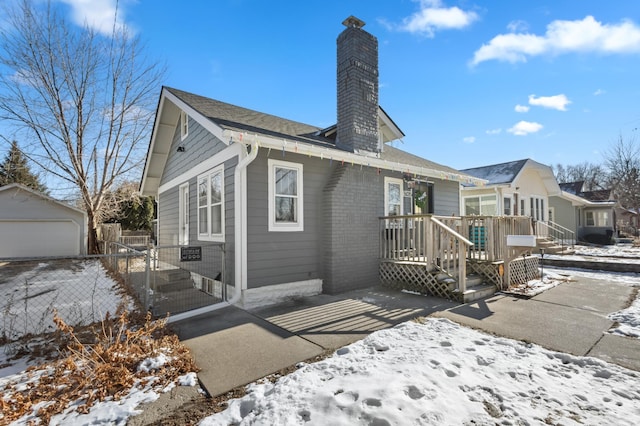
(92, 235)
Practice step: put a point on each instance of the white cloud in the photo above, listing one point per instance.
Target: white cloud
(586, 35)
(521, 108)
(97, 14)
(469, 139)
(523, 128)
(434, 16)
(493, 131)
(599, 92)
(558, 102)
(517, 26)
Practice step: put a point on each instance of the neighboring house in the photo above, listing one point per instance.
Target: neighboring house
(35, 225)
(516, 188)
(591, 215)
(297, 206)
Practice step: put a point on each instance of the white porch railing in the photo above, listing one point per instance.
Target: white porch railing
(428, 240)
(558, 233)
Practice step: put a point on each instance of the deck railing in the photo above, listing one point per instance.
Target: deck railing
(421, 238)
(425, 239)
(489, 234)
(558, 233)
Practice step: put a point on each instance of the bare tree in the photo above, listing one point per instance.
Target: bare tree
(85, 100)
(623, 162)
(593, 175)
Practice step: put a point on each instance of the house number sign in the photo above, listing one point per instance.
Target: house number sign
(190, 254)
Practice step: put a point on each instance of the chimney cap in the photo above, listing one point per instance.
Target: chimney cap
(353, 22)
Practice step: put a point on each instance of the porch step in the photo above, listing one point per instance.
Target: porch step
(478, 292)
(551, 247)
(173, 280)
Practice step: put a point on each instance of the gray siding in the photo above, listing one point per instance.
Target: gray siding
(198, 146)
(340, 241)
(565, 214)
(283, 257)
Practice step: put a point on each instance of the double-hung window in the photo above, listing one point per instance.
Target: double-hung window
(211, 205)
(286, 206)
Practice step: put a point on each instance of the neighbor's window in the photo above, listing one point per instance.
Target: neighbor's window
(210, 205)
(285, 196)
(484, 205)
(507, 206)
(184, 125)
(392, 196)
(597, 218)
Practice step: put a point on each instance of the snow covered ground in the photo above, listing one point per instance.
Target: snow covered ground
(434, 372)
(81, 291)
(441, 373)
(619, 253)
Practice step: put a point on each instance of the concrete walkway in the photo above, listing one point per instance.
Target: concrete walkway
(571, 317)
(234, 347)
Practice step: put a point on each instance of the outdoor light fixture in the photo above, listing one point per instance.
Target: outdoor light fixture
(180, 149)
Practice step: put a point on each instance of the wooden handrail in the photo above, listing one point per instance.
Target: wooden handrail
(452, 232)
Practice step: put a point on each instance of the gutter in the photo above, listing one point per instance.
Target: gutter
(327, 153)
(240, 236)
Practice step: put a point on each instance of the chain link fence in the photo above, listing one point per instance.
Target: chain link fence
(163, 280)
(80, 290)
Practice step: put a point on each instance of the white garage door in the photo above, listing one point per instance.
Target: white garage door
(35, 238)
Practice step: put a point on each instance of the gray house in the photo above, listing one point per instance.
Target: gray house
(297, 206)
(591, 215)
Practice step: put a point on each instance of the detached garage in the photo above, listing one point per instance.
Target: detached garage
(35, 225)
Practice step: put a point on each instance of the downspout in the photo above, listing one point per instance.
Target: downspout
(240, 224)
(240, 236)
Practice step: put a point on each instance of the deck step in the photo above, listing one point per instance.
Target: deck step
(478, 292)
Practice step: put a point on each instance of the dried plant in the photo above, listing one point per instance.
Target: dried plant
(103, 366)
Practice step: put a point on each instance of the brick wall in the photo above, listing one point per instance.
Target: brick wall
(354, 199)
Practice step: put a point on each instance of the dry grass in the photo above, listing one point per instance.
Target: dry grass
(101, 365)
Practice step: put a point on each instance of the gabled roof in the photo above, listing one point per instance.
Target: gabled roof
(498, 174)
(230, 123)
(38, 194)
(507, 173)
(574, 188)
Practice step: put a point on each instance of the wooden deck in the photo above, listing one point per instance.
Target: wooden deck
(460, 258)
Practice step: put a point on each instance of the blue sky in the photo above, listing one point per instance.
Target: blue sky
(470, 83)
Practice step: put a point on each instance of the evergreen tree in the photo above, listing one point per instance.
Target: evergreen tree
(14, 169)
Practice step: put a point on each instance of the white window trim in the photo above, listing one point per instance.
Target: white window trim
(208, 236)
(182, 213)
(480, 198)
(184, 125)
(387, 181)
(596, 219)
(285, 227)
(505, 198)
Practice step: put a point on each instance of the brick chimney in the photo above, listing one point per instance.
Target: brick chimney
(357, 129)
